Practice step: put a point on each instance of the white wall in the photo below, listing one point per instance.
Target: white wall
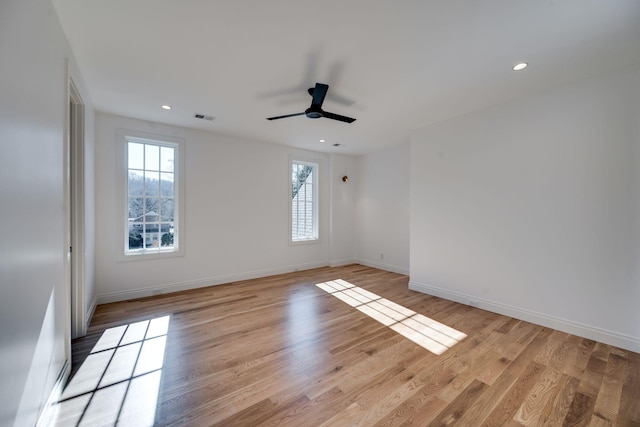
(382, 210)
(236, 214)
(532, 208)
(34, 325)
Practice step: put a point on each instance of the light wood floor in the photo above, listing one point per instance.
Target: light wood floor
(280, 351)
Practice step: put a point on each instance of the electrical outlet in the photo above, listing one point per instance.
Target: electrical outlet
(381, 256)
(474, 303)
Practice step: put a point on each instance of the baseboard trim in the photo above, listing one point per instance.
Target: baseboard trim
(50, 411)
(586, 331)
(383, 266)
(92, 309)
(342, 262)
(201, 283)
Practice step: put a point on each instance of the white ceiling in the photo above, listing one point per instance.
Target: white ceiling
(395, 65)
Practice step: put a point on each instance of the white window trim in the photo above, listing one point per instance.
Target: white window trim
(316, 206)
(123, 138)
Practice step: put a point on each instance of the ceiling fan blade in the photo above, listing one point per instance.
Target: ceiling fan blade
(284, 117)
(319, 92)
(333, 116)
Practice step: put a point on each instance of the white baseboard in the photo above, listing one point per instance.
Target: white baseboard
(201, 283)
(90, 311)
(586, 331)
(50, 411)
(383, 266)
(341, 262)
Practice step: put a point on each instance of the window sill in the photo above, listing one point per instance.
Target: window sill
(141, 256)
(304, 242)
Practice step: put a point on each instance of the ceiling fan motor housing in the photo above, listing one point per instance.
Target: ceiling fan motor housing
(313, 112)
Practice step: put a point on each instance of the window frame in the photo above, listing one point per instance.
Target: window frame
(124, 137)
(316, 200)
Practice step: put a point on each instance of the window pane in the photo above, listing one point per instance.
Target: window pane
(152, 235)
(152, 183)
(166, 241)
(166, 232)
(166, 210)
(135, 239)
(136, 156)
(136, 208)
(151, 157)
(151, 208)
(166, 159)
(166, 184)
(136, 183)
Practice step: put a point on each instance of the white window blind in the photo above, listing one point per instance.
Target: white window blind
(304, 201)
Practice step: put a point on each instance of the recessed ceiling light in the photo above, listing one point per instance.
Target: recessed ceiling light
(520, 66)
(322, 140)
(166, 107)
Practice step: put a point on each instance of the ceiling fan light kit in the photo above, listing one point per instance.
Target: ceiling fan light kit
(315, 111)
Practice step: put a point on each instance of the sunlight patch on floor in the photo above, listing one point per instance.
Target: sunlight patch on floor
(427, 333)
(119, 381)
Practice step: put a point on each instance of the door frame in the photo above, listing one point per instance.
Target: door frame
(76, 216)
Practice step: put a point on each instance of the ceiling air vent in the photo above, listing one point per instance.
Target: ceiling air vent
(203, 117)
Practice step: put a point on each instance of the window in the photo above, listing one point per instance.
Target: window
(152, 195)
(304, 201)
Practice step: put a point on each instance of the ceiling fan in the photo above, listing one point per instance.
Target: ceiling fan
(315, 111)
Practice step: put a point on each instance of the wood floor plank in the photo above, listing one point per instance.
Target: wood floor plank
(629, 411)
(592, 378)
(312, 412)
(419, 404)
(509, 404)
(505, 352)
(578, 356)
(494, 394)
(456, 409)
(280, 351)
(369, 405)
(580, 410)
(556, 338)
(532, 408)
(537, 405)
(558, 406)
(596, 421)
(608, 401)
